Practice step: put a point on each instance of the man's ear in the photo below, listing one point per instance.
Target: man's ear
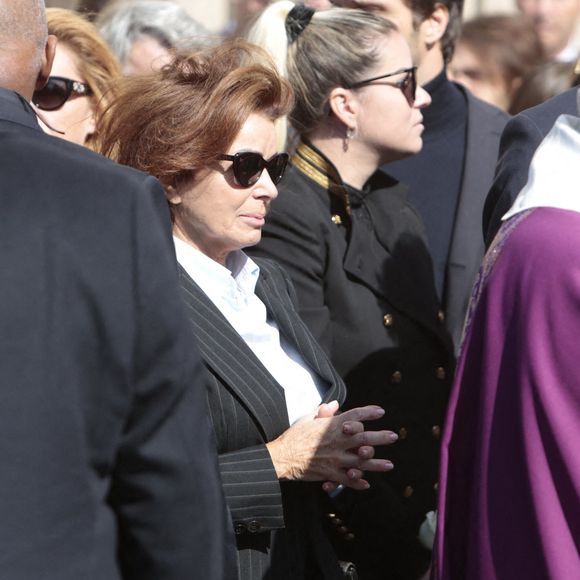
(345, 106)
(47, 59)
(172, 195)
(434, 26)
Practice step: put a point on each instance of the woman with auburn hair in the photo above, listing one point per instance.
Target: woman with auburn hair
(204, 126)
(79, 87)
(357, 255)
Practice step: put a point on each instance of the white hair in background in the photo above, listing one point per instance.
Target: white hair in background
(122, 23)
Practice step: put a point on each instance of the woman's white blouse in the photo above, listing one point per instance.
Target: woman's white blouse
(232, 290)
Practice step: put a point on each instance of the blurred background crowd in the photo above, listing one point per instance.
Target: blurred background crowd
(511, 53)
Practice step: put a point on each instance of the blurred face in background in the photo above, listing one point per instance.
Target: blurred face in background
(482, 78)
(555, 22)
(147, 54)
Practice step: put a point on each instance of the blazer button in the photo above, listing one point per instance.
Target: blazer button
(441, 316)
(408, 491)
(342, 530)
(336, 521)
(349, 537)
(435, 486)
(436, 431)
(440, 373)
(240, 528)
(336, 219)
(396, 377)
(388, 320)
(254, 527)
(402, 433)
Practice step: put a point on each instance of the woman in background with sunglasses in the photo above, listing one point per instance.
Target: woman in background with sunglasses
(83, 72)
(356, 253)
(204, 126)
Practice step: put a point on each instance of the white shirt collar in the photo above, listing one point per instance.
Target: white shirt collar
(211, 276)
(554, 176)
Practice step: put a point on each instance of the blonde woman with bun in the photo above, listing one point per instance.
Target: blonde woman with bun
(356, 253)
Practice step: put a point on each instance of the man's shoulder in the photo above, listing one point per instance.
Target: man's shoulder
(25, 146)
(483, 114)
(542, 117)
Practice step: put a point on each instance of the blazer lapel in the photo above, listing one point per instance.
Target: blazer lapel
(225, 352)
(275, 296)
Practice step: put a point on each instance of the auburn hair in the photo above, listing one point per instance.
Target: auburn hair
(178, 120)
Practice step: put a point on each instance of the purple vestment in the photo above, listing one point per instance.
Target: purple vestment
(509, 497)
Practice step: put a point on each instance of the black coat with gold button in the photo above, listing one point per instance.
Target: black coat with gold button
(363, 275)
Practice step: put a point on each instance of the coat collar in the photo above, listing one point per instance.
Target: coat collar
(15, 108)
(380, 245)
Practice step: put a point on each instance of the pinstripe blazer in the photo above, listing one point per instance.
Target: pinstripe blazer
(278, 525)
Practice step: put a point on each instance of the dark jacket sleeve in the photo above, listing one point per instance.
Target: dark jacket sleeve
(252, 489)
(166, 488)
(519, 141)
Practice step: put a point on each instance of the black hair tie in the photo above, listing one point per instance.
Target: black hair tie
(297, 20)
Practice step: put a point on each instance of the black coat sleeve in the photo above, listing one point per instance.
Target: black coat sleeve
(519, 141)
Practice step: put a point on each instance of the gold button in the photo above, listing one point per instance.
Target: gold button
(436, 430)
(402, 433)
(388, 320)
(336, 219)
(331, 515)
(336, 521)
(440, 373)
(349, 537)
(441, 316)
(342, 530)
(408, 491)
(396, 377)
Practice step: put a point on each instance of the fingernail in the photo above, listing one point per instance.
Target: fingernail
(393, 437)
(365, 484)
(346, 429)
(388, 466)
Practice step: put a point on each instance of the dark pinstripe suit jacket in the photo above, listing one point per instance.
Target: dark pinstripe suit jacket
(278, 524)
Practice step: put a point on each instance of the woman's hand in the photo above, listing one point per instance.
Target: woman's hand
(328, 447)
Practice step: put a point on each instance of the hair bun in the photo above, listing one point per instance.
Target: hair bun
(297, 20)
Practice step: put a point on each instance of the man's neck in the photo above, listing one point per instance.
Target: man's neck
(432, 63)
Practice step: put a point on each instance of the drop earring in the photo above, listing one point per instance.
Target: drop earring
(350, 132)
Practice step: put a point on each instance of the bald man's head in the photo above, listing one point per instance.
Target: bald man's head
(23, 39)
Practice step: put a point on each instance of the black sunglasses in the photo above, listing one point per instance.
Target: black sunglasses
(248, 167)
(408, 84)
(57, 91)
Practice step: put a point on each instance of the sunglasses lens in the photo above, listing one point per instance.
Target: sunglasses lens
(277, 167)
(248, 168)
(52, 96)
(410, 87)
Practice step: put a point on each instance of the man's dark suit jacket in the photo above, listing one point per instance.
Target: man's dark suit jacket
(107, 466)
(519, 141)
(484, 126)
(278, 525)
